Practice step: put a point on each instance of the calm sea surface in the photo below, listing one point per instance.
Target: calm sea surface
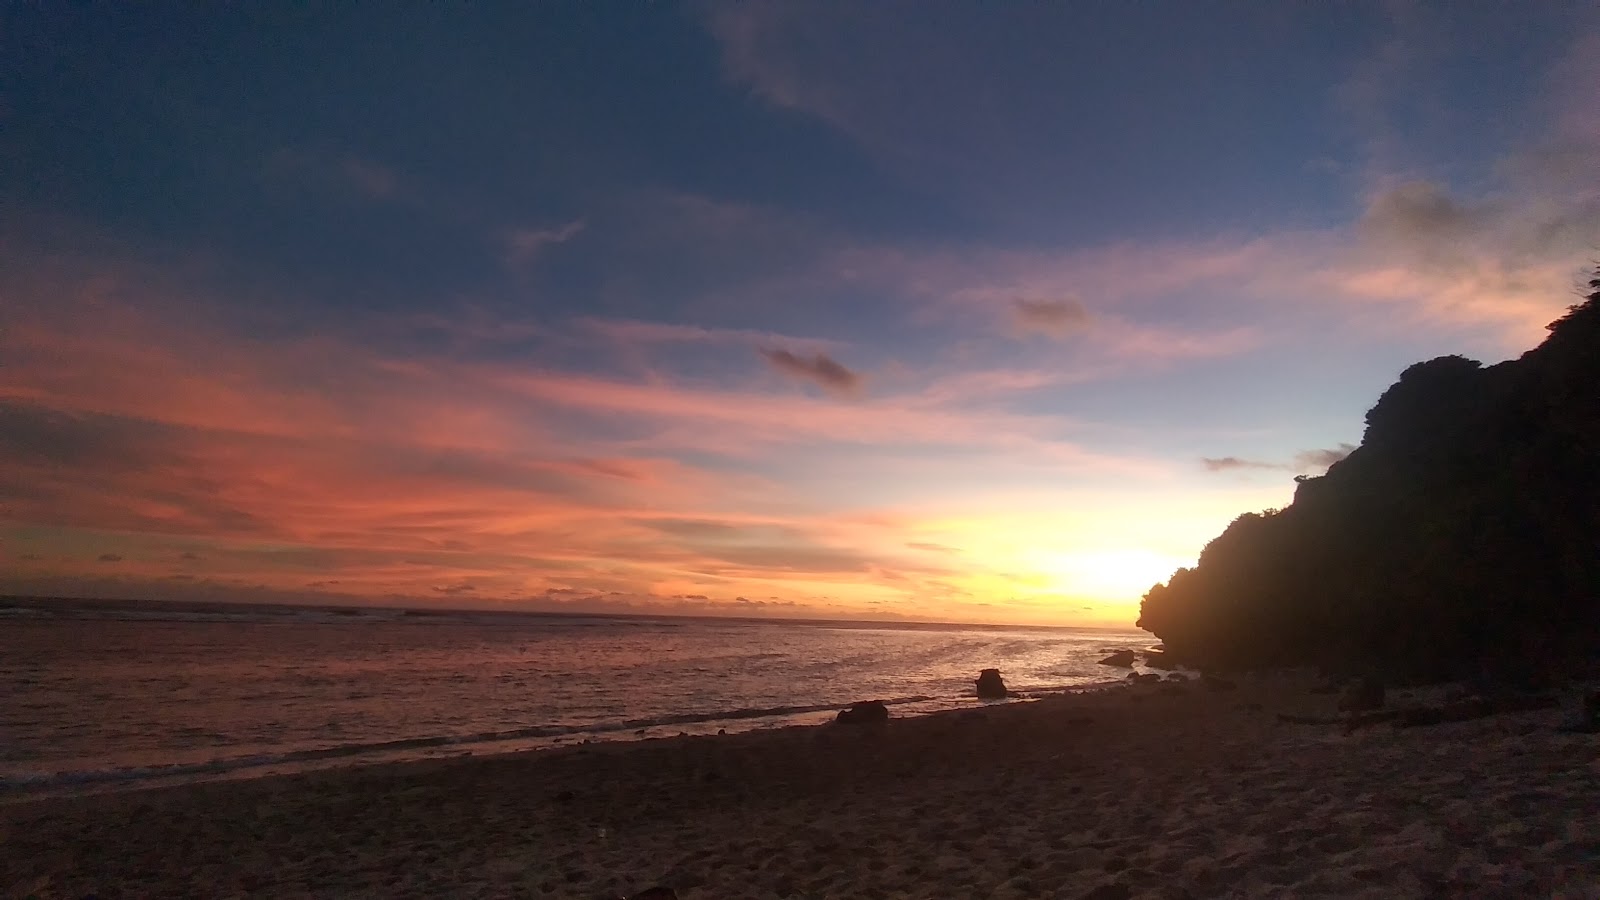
(98, 695)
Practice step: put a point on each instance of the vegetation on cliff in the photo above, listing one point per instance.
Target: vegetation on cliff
(1461, 538)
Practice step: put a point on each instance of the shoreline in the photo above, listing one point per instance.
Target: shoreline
(1157, 790)
(536, 739)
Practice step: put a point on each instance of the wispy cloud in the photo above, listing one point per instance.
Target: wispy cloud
(1304, 461)
(371, 178)
(524, 245)
(1231, 463)
(345, 173)
(1322, 459)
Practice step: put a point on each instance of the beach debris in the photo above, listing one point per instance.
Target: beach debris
(990, 685)
(1213, 683)
(867, 712)
(1122, 658)
(1363, 696)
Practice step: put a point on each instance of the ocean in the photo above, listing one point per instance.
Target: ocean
(101, 695)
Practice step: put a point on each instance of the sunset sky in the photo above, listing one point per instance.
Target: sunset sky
(975, 312)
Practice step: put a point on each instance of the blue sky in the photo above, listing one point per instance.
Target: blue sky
(928, 310)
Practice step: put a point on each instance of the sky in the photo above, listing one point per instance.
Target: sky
(942, 311)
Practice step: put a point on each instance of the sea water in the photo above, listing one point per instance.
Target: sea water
(103, 694)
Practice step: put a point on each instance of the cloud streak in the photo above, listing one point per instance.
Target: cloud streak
(524, 245)
(817, 368)
(1055, 318)
(1304, 461)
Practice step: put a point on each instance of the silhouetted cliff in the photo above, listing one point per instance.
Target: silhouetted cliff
(1461, 537)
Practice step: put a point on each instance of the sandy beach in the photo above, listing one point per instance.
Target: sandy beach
(1154, 791)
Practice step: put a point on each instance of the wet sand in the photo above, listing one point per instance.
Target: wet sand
(1154, 791)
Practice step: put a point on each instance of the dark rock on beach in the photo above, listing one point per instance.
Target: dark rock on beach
(867, 712)
(990, 685)
(1123, 658)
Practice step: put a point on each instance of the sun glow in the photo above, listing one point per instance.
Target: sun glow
(1113, 574)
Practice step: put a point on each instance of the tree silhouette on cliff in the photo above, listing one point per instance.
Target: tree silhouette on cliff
(1461, 537)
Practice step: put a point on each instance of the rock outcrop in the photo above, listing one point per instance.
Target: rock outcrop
(990, 685)
(867, 712)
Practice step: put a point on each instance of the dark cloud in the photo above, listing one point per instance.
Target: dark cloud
(1419, 210)
(818, 368)
(613, 468)
(1056, 318)
(453, 589)
(932, 547)
(110, 557)
(189, 556)
(746, 602)
(723, 531)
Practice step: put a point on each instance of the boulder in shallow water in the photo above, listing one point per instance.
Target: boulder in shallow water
(1177, 676)
(1144, 678)
(1363, 696)
(1120, 658)
(990, 686)
(867, 712)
